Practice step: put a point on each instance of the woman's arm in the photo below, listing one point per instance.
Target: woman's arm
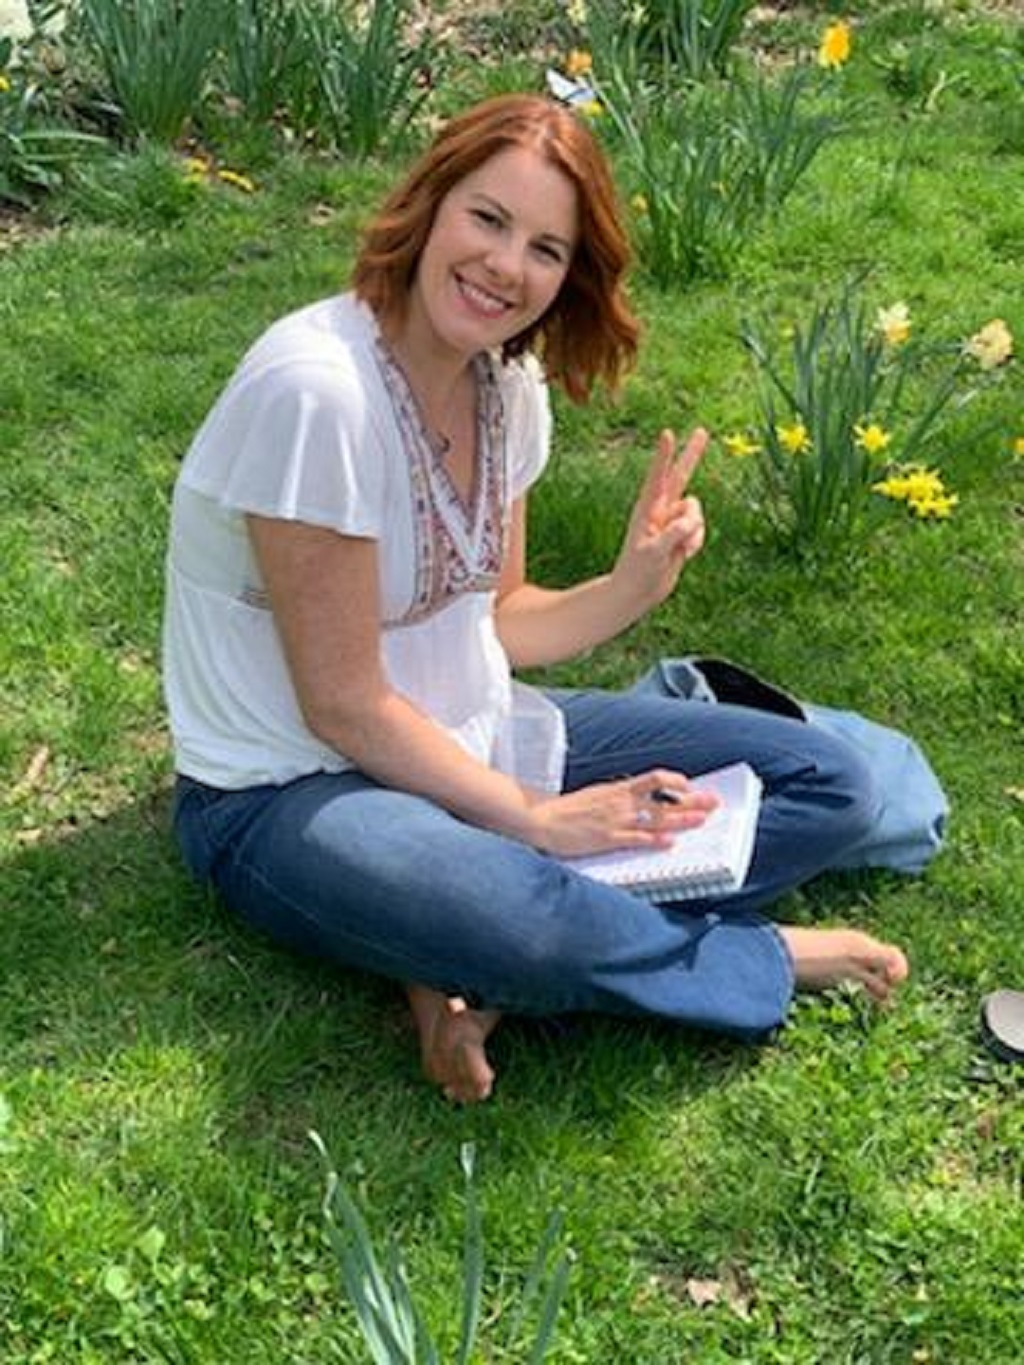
(324, 594)
(541, 626)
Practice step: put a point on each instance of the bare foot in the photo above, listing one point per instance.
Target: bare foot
(826, 957)
(452, 1038)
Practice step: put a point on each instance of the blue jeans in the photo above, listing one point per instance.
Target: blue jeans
(337, 866)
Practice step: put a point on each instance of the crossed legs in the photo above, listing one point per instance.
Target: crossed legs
(334, 866)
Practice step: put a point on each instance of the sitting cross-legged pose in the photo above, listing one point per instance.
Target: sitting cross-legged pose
(360, 777)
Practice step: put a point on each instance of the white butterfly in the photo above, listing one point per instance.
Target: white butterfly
(570, 92)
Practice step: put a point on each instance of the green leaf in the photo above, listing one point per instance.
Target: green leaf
(118, 1283)
(152, 1243)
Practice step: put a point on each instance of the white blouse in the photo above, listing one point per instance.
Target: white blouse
(319, 425)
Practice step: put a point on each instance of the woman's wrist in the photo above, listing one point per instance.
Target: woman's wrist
(629, 598)
(524, 824)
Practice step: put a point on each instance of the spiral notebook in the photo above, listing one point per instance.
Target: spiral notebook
(711, 860)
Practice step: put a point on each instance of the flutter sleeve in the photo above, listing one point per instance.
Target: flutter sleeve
(528, 424)
(294, 439)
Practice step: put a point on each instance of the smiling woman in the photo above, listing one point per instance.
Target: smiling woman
(361, 776)
(590, 333)
(493, 265)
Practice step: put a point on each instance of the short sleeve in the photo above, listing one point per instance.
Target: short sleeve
(528, 424)
(293, 439)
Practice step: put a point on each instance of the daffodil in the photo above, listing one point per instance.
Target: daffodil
(918, 487)
(240, 182)
(939, 507)
(639, 203)
(740, 444)
(5, 85)
(871, 437)
(922, 490)
(1018, 448)
(794, 438)
(835, 46)
(577, 12)
(591, 108)
(578, 63)
(992, 346)
(894, 323)
(923, 485)
(196, 166)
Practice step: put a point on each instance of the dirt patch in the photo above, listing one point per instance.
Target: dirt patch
(18, 226)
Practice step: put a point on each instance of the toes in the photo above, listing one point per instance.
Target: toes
(882, 973)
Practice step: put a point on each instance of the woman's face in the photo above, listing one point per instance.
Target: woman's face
(497, 255)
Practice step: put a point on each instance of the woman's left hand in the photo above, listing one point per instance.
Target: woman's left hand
(666, 527)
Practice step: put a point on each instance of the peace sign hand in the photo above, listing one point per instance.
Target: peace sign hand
(666, 528)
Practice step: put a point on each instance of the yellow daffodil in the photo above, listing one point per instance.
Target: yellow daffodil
(577, 12)
(924, 485)
(740, 444)
(921, 489)
(639, 203)
(794, 438)
(578, 63)
(911, 483)
(937, 508)
(5, 85)
(992, 346)
(196, 166)
(836, 42)
(1018, 448)
(871, 437)
(240, 182)
(591, 108)
(894, 323)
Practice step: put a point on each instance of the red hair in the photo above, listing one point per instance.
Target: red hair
(589, 333)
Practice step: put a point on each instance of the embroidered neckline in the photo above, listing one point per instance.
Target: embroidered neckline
(459, 545)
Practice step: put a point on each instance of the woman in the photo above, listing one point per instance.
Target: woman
(347, 595)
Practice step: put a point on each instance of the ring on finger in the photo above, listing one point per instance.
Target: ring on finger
(644, 818)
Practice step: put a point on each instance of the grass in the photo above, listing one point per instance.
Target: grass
(852, 1194)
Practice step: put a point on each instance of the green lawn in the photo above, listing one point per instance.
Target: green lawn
(852, 1194)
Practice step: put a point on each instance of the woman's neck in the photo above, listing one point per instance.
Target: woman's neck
(442, 382)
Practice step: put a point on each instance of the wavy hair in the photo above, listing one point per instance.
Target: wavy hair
(589, 333)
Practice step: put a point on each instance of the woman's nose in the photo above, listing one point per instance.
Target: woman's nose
(506, 258)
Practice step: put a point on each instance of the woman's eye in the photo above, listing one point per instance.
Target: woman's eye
(486, 217)
(550, 253)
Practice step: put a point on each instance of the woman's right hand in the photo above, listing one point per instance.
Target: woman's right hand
(635, 812)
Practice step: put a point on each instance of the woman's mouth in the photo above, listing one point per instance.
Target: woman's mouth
(481, 300)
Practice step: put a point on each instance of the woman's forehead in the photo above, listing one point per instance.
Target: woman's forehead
(521, 178)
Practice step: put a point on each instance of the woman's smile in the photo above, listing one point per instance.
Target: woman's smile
(481, 299)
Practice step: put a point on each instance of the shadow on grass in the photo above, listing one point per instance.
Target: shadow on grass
(117, 949)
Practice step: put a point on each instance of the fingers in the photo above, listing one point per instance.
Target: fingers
(685, 528)
(680, 471)
(655, 488)
(662, 804)
(661, 497)
(668, 475)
